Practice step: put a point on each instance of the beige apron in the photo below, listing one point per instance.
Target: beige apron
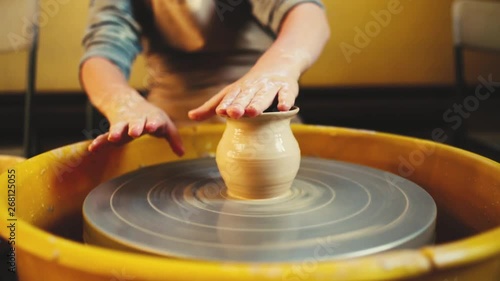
(199, 54)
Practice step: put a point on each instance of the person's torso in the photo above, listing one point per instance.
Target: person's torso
(196, 47)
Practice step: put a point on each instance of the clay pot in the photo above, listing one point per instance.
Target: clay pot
(259, 157)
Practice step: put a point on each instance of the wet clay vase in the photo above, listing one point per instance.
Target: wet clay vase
(259, 157)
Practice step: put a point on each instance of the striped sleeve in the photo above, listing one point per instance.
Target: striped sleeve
(112, 33)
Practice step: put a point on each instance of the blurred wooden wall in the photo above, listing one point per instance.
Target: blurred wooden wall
(412, 47)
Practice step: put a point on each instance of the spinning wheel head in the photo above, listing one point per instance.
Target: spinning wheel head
(333, 210)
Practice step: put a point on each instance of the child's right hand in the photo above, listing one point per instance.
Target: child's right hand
(130, 117)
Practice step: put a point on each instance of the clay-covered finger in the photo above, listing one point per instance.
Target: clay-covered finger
(153, 124)
(136, 127)
(98, 142)
(261, 101)
(171, 134)
(239, 104)
(286, 97)
(230, 94)
(117, 131)
(207, 110)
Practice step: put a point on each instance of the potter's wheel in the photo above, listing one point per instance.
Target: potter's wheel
(334, 210)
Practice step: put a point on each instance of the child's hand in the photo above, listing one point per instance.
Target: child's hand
(131, 117)
(250, 96)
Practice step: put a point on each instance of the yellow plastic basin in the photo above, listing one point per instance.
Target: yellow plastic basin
(8, 161)
(51, 187)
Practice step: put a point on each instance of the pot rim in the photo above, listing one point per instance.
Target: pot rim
(265, 116)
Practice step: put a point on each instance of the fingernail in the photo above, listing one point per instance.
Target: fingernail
(193, 116)
(112, 138)
(92, 148)
(134, 134)
(283, 107)
(180, 151)
(221, 112)
(151, 127)
(236, 112)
